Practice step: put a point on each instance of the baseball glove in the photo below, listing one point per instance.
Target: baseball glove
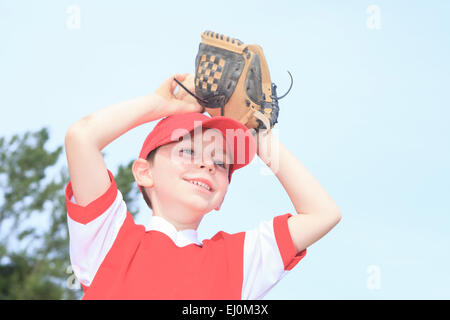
(232, 80)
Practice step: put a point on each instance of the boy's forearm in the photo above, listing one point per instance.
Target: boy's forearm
(305, 192)
(107, 124)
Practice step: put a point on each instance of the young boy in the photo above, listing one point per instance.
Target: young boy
(181, 181)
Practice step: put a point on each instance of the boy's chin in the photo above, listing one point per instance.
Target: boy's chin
(199, 208)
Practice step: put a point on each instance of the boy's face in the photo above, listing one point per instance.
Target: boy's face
(200, 156)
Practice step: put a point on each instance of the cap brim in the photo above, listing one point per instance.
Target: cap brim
(237, 136)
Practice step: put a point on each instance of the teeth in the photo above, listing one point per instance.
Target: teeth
(200, 184)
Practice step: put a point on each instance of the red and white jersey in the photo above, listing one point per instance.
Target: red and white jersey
(114, 258)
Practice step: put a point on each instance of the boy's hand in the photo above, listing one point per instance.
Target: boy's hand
(171, 103)
(264, 144)
(188, 82)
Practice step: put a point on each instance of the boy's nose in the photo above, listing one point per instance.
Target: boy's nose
(206, 163)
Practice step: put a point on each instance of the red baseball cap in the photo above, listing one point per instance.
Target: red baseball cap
(173, 127)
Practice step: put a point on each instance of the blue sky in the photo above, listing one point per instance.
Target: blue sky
(368, 115)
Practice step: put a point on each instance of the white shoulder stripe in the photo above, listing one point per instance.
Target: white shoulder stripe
(90, 243)
(263, 265)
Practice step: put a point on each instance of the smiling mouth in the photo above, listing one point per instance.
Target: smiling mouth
(200, 185)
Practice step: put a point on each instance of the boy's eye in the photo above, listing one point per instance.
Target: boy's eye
(219, 163)
(190, 151)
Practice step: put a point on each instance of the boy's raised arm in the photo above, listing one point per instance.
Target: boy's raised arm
(317, 212)
(86, 138)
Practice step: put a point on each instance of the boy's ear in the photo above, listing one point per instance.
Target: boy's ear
(142, 173)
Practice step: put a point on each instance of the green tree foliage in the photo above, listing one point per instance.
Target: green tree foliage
(34, 239)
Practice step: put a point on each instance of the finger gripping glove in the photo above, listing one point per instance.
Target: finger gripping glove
(232, 79)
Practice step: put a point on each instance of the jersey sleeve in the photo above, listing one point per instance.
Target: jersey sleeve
(269, 253)
(93, 229)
